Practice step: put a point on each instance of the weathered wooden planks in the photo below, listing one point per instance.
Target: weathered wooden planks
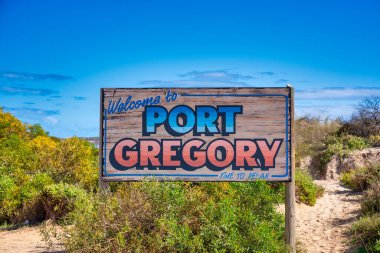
(265, 116)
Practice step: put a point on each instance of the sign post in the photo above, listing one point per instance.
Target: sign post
(290, 188)
(103, 185)
(199, 134)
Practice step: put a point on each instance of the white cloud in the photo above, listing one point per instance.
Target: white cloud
(51, 120)
(325, 111)
(210, 78)
(11, 75)
(337, 93)
(27, 91)
(224, 76)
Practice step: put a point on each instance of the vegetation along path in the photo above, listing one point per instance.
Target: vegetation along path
(325, 226)
(320, 228)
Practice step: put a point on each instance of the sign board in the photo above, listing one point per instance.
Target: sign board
(196, 134)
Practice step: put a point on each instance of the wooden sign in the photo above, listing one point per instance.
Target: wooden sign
(196, 134)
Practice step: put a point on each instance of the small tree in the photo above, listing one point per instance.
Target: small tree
(36, 130)
(365, 121)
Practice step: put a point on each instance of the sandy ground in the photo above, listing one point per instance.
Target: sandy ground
(26, 239)
(320, 228)
(325, 226)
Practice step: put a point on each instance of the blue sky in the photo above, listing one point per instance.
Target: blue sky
(55, 55)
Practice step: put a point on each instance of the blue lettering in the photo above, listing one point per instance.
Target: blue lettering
(227, 175)
(228, 118)
(112, 107)
(182, 119)
(147, 101)
(264, 176)
(188, 117)
(157, 100)
(127, 102)
(153, 117)
(121, 107)
(253, 175)
(207, 119)
(138, 104)
(132, 105)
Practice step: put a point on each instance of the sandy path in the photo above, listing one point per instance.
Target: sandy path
(324, 227)
(26, 239)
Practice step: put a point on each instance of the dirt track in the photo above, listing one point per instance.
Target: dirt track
(325, 226)
(26, 239)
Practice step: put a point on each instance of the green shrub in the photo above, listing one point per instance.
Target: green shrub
(30, 160)
(59, 199)
(360, 179)
(341, 146)
(178, 217)
(351, 180)
(366, 233)
(307, 191)
(36, 130)
(355, 142)
(16, 154)
(310, 135)
(35, 185)
(77, 163)
(19, 203)
(9, 198)
(30, 196)
(371, 199)
(331, 150)
(374, 140)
